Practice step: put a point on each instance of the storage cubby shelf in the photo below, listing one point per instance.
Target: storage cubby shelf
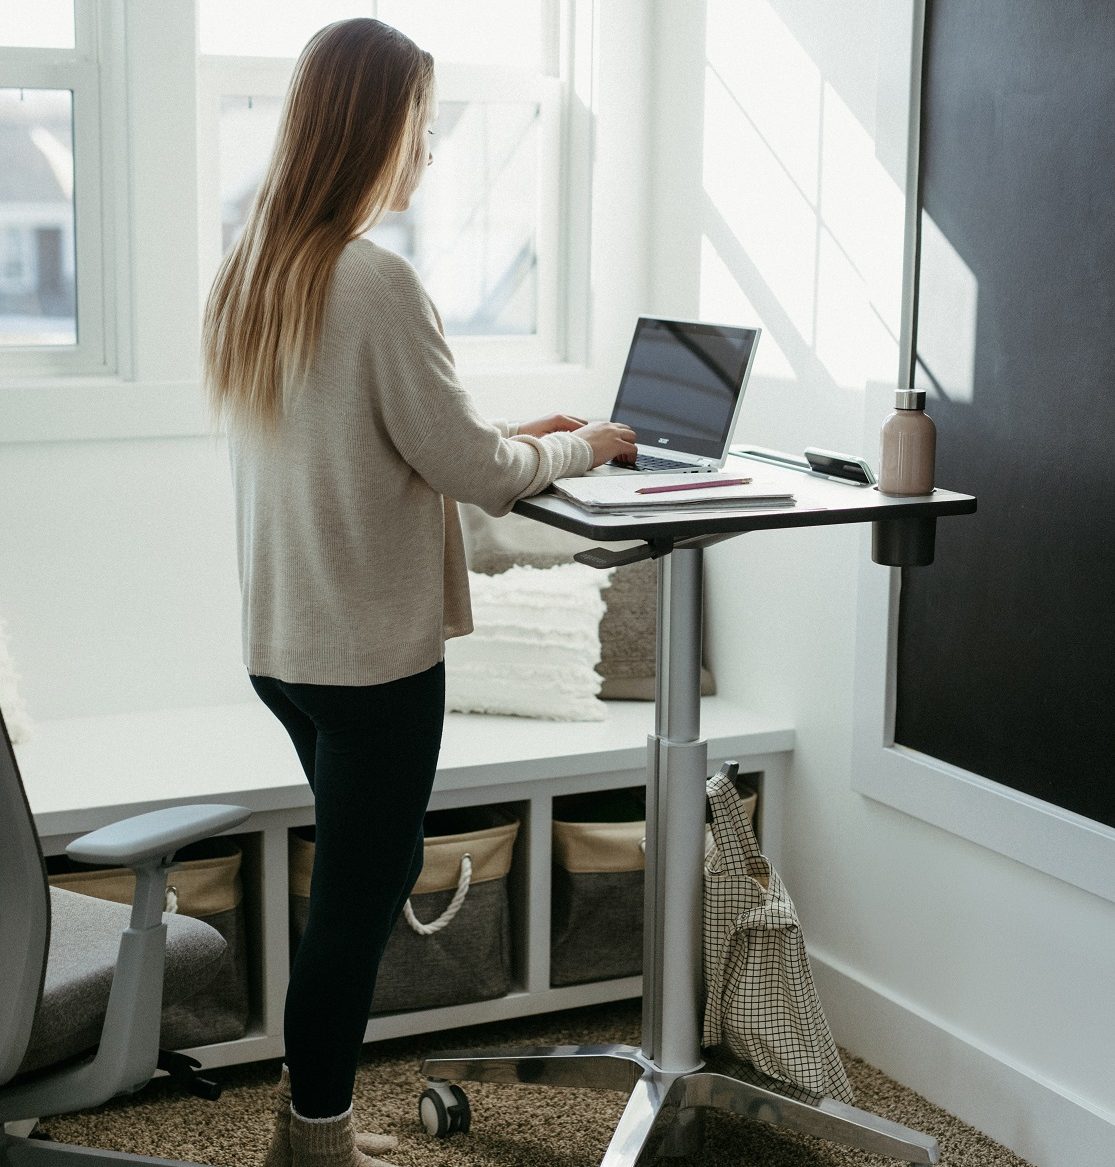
(85, 772)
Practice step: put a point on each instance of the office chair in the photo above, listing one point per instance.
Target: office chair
(83, 979)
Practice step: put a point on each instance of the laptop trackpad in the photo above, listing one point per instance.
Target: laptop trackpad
(612, 468)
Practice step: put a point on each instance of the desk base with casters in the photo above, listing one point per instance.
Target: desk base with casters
(663, 1112)
(668, 1079)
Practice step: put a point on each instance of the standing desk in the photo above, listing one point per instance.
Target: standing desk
(669, 1081)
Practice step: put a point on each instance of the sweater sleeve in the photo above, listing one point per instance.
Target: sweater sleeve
(433, 423)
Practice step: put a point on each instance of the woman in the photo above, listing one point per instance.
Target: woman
(350, 435)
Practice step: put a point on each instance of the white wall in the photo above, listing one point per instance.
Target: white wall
(980, 981)
(118, 577)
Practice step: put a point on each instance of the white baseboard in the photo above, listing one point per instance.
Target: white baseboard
(1042, 1123)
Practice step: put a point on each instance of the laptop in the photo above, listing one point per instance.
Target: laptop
(681, 392)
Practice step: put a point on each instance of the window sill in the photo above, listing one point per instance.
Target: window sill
(75, 409)
(95, 408)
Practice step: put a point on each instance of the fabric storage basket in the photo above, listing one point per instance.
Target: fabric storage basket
(596, 921)
(453, 944)
(205, 883)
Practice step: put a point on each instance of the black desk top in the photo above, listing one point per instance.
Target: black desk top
(820, 502)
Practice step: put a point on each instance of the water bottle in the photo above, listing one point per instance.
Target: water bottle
(908, 446)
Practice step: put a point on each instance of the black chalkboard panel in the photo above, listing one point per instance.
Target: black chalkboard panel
(1006, 645)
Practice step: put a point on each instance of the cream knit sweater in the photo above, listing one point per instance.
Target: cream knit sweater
(351, 560)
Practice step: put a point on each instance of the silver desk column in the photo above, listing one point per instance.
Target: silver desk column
(676, 774)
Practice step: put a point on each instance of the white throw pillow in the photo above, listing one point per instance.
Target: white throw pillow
(535, 647)
(15, 712)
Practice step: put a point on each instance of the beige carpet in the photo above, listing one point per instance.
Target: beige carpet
(512, 1126)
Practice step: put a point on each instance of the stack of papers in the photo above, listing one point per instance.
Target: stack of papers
(671, 493)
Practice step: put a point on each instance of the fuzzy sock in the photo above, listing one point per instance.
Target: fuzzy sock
(279, 1152)
(327, 1142)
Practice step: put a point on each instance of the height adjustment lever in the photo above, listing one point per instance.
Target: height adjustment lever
(602, 558)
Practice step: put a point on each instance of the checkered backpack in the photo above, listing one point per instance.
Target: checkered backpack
(761, 1003)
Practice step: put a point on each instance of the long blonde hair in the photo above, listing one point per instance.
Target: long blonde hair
(350, 143)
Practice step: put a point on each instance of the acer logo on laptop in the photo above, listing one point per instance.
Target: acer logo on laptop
(663, 441)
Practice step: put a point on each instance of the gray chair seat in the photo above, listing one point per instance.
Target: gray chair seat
(79, 974)
(84, 942)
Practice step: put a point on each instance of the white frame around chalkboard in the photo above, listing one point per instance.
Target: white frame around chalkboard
(1029, 830)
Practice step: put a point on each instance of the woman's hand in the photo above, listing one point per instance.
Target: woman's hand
(555, 423)
(610, 441)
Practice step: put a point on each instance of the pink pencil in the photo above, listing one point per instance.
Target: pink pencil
(692, 486)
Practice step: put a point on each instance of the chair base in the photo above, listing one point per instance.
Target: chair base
(26, 1152)
(662, 1118)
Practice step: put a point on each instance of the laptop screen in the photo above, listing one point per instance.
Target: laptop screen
(682, 384)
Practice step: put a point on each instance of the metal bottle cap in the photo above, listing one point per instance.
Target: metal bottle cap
(909, 399)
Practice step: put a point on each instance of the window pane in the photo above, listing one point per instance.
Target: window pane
(486, 32)
(500, 33)
(45, 24)
(37, 290)
(269, 28)
(247, 135)
(470, 231)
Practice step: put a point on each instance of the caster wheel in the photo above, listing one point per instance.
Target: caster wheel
(444, 1110)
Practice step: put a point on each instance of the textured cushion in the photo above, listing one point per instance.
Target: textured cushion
(627, 629)
(535, 646)
(84, 943)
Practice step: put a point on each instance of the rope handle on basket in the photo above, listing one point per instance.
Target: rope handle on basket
(454, 907)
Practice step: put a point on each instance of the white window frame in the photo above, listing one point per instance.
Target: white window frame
(225, 76)
(80, 71)
(1027, 829)
(145, 382)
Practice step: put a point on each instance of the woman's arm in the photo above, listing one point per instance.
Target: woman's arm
(434, 425)
(432, 421)
(552, 424)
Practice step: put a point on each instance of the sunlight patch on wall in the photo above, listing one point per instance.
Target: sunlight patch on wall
(864, 210)
(804, 219)
(946, 337)
(723, 301)
(842, 316)
(760, 202)
(771, 77)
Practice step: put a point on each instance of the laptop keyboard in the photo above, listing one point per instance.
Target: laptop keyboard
(650, 462)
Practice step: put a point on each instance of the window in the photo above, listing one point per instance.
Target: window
(486, 32)
(141, 131)
(47, 24)
(37, 288)
(471, 230)
(483, 228)
(52, 302)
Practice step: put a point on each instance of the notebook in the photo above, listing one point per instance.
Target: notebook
(681, 392)
(671, 493)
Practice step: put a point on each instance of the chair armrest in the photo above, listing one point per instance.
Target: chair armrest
(128, 1051)
(144, 837)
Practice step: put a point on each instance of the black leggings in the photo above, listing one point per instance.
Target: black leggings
(370, 753)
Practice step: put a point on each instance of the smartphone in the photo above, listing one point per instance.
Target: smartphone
(842, 467)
